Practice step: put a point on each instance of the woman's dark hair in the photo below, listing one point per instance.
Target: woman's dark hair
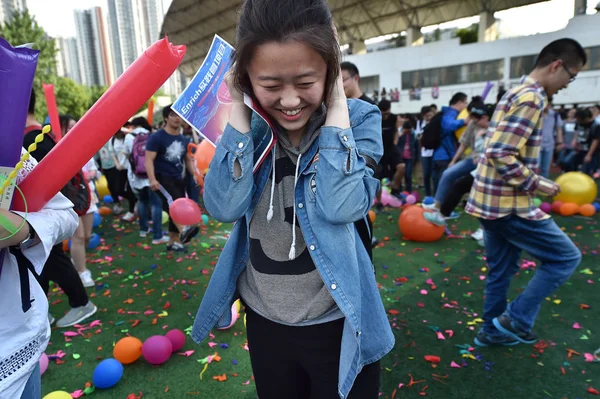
(303, 21)
(64, 122)
(140, 121)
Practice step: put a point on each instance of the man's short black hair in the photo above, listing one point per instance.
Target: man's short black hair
(567, 50)
(458, 97)
(425, 109)
(407, 125)
(31, 109)
(166, 111)
(350, 67)
(384, 105)
(583, 114)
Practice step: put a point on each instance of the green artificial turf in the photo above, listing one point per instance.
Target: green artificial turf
(137, 278)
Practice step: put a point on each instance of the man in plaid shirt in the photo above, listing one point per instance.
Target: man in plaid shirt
(506, 182)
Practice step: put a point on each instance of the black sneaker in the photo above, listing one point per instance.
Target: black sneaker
(505, 325)
(484, 340)
(374, 242)
(176, 247)
(189, 233)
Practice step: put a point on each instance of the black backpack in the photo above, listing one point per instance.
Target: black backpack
(78, 192)
(432, 134)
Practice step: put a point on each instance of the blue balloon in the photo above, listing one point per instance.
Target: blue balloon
(94, 241)
(107, 373)
(597, 206)
(97, 219)
(428, 200)
(204, 219)
(108, 199)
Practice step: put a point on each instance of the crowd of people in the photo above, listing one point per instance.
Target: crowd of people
(299, 255)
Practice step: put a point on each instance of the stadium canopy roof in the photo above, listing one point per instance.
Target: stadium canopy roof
(195, 22)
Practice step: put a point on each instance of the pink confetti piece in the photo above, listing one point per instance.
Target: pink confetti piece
(246, 383)
(429, 282)
(576, 326)
(70, 334)
(440, 335)
(212, 344)
(148, 312)
(481, 278)
(186, 353)
(454, 365)
(423, 292)
(77, 394)
(450, 333)
(589, 357)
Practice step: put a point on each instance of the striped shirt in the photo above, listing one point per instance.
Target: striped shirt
(506, 178)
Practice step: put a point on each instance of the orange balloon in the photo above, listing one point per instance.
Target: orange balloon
(587, 210)
(202, 153)
(66, 246)
(415, 227)
(372, 216)
(569, 209)
(104, 211)
(128, 350)
(556, 206)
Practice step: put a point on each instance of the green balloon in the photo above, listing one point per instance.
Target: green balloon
(537, 202)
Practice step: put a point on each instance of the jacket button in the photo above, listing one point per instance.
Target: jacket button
(240, 145)
(312, 247)
(333, 286)
(301, 205)
(345, 138)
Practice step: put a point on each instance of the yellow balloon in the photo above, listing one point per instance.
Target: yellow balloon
(165, 217)
(237, 305)
(58, 395)
(576, 187)
(102, 187)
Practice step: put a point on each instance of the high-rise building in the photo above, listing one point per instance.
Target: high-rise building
(7, 7)
(133, 26)
(67, 59)
(92, 43)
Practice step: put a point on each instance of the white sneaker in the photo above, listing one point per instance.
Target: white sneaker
(51, 318)
(128, 217)
(429, 207)
(478, 235)
(77, 315)
(144, 234)
(163, 240)
(435, 218)
(86, 278)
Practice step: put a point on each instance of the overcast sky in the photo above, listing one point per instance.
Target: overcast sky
(56, 16)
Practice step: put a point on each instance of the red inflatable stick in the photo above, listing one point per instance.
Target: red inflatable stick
(52, 110)
(139, 82)
(150, 112)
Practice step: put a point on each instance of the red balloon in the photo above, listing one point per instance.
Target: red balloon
(556, 206)
(415, 227)
(185, 211)
(133, 88)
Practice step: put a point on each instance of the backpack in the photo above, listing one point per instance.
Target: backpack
(432, 134)
(78, 192)
(138, 155)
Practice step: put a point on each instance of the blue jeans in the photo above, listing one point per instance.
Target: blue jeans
(408, 165)
(191, 188)
(451, 175)
(575, 158)
(149, 199)
(438, 169)
(546, 162)
(33, 388)
(427, 163)
(505, 238)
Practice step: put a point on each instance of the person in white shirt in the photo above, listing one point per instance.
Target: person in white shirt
(25, 330)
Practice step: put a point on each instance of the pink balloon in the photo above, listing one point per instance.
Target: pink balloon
(177, 338)
(410, 199)
(44, 363)
(157, 349)
(389, 200)
(185, 211)
(546, 207)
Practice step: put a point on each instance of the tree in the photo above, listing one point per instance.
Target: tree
(71, 98)
(22, 28)
(468, 35)
(95, 93)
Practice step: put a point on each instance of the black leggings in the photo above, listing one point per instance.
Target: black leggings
(124, 189)
(302, 362)
(113, 183)
(176, 188)
(60, 269)
(460, 187)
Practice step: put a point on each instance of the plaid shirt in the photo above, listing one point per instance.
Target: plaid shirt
(506, 178)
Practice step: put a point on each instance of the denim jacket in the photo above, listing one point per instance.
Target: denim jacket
(331, 194)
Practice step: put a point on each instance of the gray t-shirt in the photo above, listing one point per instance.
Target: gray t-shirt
(551, 124)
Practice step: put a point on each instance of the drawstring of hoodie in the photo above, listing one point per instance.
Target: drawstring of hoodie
(292, 254)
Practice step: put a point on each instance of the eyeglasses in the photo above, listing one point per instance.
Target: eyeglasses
(571, 74)
(349, 77)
